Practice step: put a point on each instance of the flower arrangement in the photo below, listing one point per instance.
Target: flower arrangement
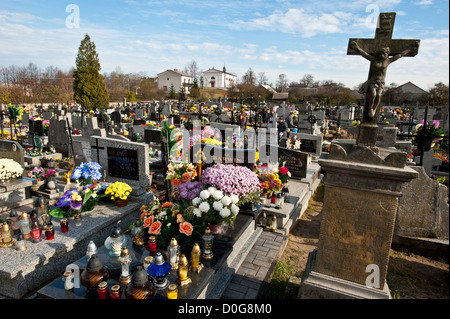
(169, 221)
(214, 207)
(86, 173)
(284, 174)
(190, 190)
(83, 199)
(208, 135)
(234, 141)
(172, 135)
(180, 173)
(270, 183)
(433, 131)
(45, 124)
(441, 157)
(118, 191)
(293, 143)
(9, 169)
(233, 180)
(37, 173)
(50, 173)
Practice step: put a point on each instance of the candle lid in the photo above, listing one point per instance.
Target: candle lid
(183, 261)
(115, 289)
(173, 243)
(13, 213)
(63, 221)
(67, 274)
(24, 216)
(94, 263)
(103, 285)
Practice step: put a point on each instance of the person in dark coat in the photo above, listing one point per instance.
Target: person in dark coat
(290, 121)
(282, 127)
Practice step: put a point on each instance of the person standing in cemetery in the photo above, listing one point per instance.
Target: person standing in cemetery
(290, 121)
(282, 127)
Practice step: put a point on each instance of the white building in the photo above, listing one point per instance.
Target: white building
(173, 77)
(214, 78)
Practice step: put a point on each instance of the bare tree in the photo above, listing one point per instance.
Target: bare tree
(262, 78)
(282, 83)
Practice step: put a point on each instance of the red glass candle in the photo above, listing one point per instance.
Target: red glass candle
(152, 245)
(36, 232)
(64, 225)
(102, 290)
(115, 292)
(49, 232)
(273, 198)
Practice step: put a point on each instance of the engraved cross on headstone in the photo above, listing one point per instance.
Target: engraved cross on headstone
(380, 51)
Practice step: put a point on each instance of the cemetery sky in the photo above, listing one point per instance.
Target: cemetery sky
(276, 37)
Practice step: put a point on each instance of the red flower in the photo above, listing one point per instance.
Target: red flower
(283, 170)
(176, 182)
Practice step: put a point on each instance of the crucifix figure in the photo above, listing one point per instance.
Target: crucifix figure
(381, 52)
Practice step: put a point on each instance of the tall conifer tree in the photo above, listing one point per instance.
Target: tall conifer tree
(88, 85)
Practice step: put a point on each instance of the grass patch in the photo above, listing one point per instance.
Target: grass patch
(279, 280)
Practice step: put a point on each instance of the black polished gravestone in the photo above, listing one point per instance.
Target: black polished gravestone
(295, 161)
(308, 146)
(139, 122)
(152, 136)
(36, 126)
(123, 163)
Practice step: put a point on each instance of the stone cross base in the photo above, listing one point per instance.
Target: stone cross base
(358, 217)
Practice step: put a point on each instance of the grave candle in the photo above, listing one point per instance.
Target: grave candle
(195, 259)
(68, 280)
(36, 232)
(183, 272)
(102, 290)
(174, 252)
(152, 245)
(25, 225)
(20, 244)
(115, 292)
(172, 292)
(49, 232)
(64, 225)
(6, 236)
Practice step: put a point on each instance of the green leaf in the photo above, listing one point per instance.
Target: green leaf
(58, 213)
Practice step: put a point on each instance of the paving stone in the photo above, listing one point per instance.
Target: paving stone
(232, 294)
(251, 283)
(251, 294)
(237, 287)
(262, 272)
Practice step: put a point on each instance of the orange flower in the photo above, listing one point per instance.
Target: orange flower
(155, 228)
(143, 214)
(143, 207)
(176, 182)
(180, 218)
(186, 228)
(167, 204)
(148, 221)
(186, 177)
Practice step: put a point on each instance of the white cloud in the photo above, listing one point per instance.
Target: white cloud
(424, 3)
(297, 21)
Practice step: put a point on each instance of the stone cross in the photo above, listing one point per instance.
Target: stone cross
(380, 51)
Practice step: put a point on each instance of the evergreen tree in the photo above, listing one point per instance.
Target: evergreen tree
(172, 93)
(88, 85)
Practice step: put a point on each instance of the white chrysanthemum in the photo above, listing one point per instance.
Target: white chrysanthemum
(196, 201)
(218, 206)
(224, 212)
(212, 189)
(226, 201)
(234, 198)
(197, 212)
(234, 209)
(204, 207)
(217, 195)
(204, 194)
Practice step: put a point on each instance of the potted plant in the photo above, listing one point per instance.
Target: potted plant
(49, 177)
(119, 193)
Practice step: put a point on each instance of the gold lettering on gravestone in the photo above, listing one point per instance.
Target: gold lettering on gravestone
(356, 231)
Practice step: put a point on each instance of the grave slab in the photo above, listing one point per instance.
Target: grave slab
(23, 272)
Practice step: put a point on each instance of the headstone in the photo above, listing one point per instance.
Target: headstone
(310, 143)
(47, 115)
(152, 136)
(116, 117)
(58, 135)
(12, 150)
(123, 161)
(295, 161)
